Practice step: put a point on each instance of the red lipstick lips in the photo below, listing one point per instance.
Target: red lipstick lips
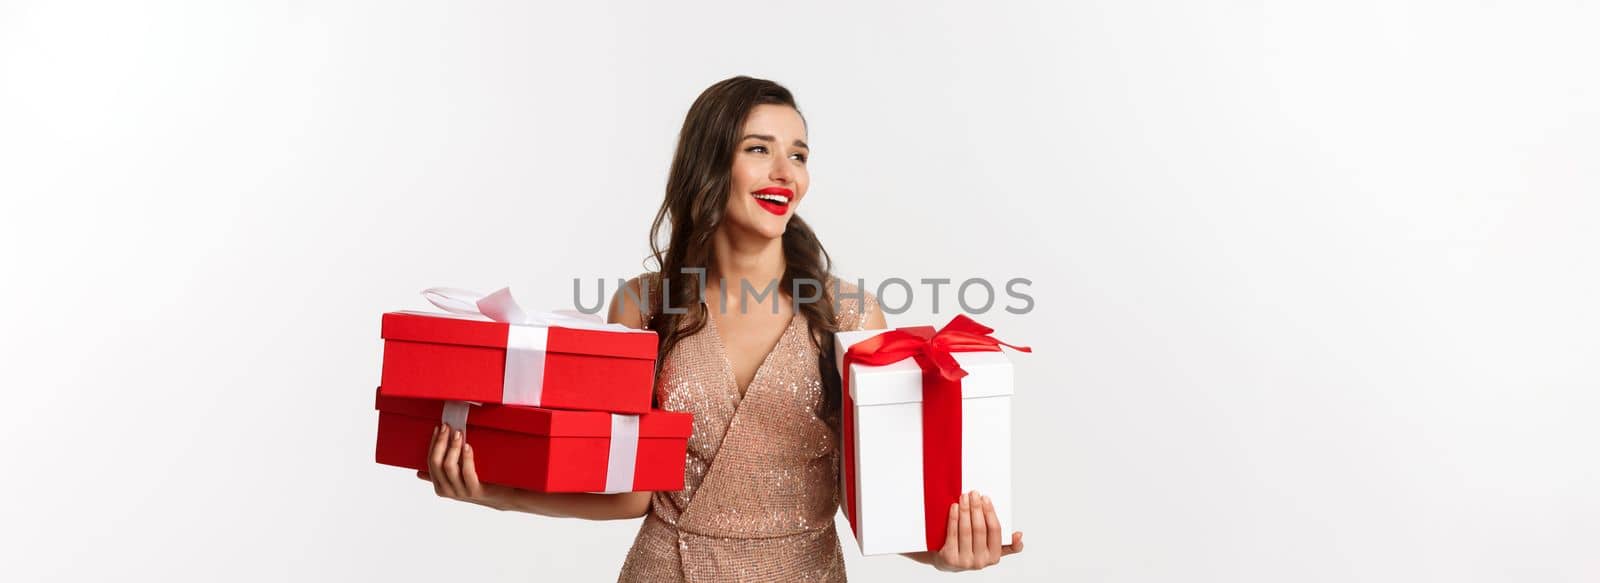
(775, 199)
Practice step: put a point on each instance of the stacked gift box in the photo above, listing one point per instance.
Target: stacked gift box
(926, 415)
(551, 402)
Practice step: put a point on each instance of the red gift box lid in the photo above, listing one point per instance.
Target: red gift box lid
(538, 421)
(450, 329)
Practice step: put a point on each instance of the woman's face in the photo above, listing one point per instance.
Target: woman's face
(769, 171)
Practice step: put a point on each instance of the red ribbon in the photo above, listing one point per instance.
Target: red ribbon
(941, 408)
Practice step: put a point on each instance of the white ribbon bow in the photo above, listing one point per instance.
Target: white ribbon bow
(500, 307)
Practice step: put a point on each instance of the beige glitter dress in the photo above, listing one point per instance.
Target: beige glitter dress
(761, 477)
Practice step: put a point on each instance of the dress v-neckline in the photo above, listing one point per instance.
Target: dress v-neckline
(727, 359)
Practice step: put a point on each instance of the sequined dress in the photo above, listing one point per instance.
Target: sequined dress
(761, 477)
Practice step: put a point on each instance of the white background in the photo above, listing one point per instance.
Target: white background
(1314, 282)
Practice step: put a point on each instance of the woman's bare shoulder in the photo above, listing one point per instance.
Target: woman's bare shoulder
(630, 304)
(855, 308)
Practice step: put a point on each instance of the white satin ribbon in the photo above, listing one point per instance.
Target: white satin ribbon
(624, 450)
(526, 338)
(455, 415)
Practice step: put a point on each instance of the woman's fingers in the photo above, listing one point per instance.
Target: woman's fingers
(966, 528)
(436, 459)
(980, 531)
(991, 543)
(452, 465)
(973, 534)
(441, 468)
(469, 475)
(1015, 546)
(952, 547)
(436, 450)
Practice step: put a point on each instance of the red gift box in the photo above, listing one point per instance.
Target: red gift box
(544, 450)
(437, 356)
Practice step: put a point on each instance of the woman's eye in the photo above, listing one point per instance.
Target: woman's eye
(756, 149)
(799, 156)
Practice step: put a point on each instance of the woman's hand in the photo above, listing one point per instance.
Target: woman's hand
(972, 537)
(451, 469)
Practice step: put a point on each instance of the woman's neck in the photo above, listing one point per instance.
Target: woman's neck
(759, 261)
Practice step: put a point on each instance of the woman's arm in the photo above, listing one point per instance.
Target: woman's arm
(453, 473)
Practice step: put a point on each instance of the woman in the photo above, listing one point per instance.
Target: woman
(761, 476)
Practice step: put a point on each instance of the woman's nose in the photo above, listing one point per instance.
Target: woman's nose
(781, 172)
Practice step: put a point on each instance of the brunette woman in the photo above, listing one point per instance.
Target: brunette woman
(757, 371)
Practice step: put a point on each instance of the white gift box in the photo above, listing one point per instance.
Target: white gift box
(890, 515)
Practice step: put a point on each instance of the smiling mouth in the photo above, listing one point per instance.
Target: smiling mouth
(773, 203)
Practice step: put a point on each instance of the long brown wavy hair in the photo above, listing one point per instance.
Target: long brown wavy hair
(697, 194)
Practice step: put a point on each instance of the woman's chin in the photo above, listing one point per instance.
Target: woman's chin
(769, 226)
(772, 231)
(776, 226)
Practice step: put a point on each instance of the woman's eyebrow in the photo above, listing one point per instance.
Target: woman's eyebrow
(767, 138)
